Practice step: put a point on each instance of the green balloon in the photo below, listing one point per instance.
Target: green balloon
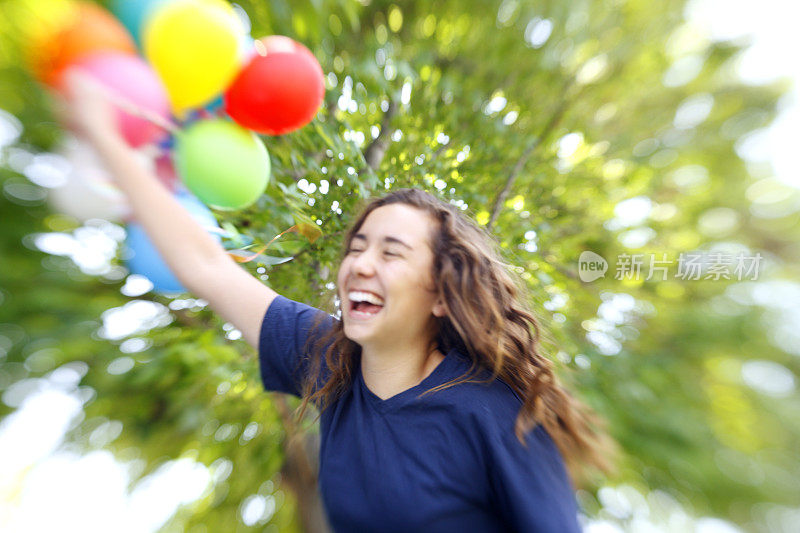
(223, 164)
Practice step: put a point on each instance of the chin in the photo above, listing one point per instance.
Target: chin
(353, 334)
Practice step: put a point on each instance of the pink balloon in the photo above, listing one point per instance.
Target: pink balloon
(132, 79)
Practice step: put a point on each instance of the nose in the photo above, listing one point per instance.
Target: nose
(364, 263)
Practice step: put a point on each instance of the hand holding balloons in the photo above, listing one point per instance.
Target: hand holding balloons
(128, 78)
(195, 49)
(86, 110)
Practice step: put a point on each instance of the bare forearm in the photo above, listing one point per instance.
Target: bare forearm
(183, 244)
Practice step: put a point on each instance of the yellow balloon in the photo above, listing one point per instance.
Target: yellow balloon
(193, 45)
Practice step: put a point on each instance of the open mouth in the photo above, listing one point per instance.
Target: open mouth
(364, 304)
(366, 307)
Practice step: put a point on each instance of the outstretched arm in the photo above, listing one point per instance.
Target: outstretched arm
(199, 262)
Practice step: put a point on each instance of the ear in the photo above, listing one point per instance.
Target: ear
(438, 309)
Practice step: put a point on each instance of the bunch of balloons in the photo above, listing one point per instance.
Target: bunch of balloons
(199, 68)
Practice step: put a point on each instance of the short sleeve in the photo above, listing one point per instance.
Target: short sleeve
(530, 486)
(283, 343)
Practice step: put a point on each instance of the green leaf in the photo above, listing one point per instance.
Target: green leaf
(307, 227)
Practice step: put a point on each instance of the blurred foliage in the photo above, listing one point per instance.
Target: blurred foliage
(539, 118)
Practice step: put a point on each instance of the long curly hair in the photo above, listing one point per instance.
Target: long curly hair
(486, 319)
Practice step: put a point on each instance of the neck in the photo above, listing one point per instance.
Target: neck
(388, 372)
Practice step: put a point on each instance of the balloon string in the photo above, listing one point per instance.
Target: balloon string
(132, 109)
(240, 259)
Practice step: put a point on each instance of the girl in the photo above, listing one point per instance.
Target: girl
(437, 411)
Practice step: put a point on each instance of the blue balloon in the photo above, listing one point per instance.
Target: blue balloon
(144, 259)
(133, 14)
(167, 143)
(215, 105)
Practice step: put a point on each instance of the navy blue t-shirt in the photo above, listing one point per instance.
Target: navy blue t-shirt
(448, 461)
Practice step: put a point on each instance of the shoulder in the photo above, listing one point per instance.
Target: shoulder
(289, 332)
(489, 408)
(481, 389)
(289, 321)
(283, 308)
(529, 485)
(488, 404)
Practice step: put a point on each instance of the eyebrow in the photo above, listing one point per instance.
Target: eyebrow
(390, 239)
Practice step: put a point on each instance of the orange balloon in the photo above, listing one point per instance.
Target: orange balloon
(85, 29)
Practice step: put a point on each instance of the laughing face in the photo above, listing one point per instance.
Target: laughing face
(387, 295)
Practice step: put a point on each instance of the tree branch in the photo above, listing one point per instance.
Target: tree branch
(501, 196)
(374, 153)
(300, 469)
(551, 125)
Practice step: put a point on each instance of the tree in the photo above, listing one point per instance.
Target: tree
(554, 124)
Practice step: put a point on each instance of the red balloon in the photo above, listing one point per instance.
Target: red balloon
(280, 89)
(166, 173)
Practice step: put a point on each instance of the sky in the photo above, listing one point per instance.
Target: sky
(45, 486)
(770, 27)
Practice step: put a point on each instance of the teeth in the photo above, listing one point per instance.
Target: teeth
(358, 296)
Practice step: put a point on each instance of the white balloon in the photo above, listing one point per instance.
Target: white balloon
(89, 191)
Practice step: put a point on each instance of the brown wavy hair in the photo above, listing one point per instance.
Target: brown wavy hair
(486, 319)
